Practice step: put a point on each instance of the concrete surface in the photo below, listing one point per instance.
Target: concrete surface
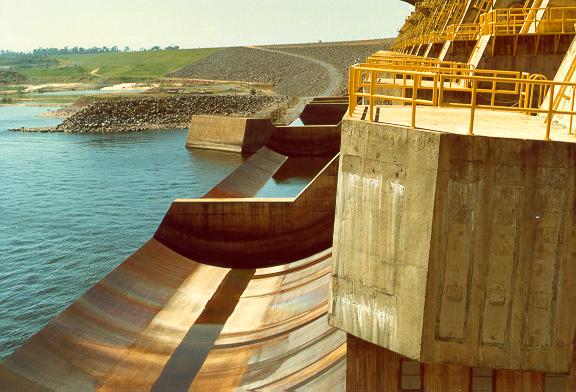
(251, 176)
(487, 122)
(305, 141)
(323, 112)
(235, 134)
(456, 249)
(230, 294)
(164, 321)
(320, 136)
(250, 233)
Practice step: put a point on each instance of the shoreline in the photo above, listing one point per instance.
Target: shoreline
(35, 129)
(143, 128)
(146, 113)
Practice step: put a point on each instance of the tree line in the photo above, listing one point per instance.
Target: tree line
(80, 50)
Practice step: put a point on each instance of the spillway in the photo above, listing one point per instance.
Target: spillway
(231, 293)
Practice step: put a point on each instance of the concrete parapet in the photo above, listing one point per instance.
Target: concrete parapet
(248, 135)
(456, 249)
(236, 134)
(254, 233)
(306, 141)
(323, 112)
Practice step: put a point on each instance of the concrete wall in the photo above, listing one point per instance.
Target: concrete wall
(306, 141)
(534, 54)
(459, 51)
(254, 233)
(382, 234)
(236, 134)
(456, 249)
(250, 177)
(247, 135)
(323, 113)
(565, 74)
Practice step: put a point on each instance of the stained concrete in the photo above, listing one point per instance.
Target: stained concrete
(254, 232)
(323, 112)
(235, 134)
(456, 249)
(319, 136)
(163, 321)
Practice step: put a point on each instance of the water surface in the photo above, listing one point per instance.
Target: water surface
(73, 206)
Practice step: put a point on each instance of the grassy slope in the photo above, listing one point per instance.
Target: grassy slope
(114, 67)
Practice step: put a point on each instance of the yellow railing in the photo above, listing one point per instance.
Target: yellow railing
(415, 62)
(482, 5)
(376, 86)
(498, 22)
(516, 21)
(463, 32)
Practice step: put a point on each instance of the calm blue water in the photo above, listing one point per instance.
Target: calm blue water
(72, 207)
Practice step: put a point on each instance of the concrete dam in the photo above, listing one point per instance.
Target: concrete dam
(434, 249)
(230, 293)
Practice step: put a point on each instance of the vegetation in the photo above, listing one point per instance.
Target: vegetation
(101, 68)
(20, 60)
(11, 77)
(78, 50)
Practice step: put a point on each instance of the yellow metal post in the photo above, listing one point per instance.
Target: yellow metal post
(414, 97)
(493, 100)
(372, 88)
(473, 107)
(550, 111)
(351, 92)
(572, 110)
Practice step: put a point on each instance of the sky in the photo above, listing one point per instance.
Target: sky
(29, 24)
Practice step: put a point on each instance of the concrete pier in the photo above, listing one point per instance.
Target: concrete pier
(456, 249)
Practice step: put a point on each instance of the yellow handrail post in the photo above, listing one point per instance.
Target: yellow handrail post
(435, 91)
(403, 86)
(372, 88)
(351, 92)
(473, 107)
(441, 92)
(550, 111)
(414, 97)
(572, 110)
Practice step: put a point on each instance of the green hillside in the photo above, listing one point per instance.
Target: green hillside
(107, 67)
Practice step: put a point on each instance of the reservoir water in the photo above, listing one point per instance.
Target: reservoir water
(73, 206)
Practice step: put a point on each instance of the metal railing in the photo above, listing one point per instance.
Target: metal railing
(417, 63)
(463, 32)
(497, 22)
(518, 21)
(507, 91)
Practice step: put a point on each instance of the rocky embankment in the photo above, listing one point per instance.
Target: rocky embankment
(291, 75)
(124, 114)
(340, 55)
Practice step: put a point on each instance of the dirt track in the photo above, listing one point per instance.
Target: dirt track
(296, 70)
(334, 77)
(341, 55)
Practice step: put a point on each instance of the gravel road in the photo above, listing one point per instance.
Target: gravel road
(296, 70)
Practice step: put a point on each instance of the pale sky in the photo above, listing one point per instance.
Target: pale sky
(29, 24)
